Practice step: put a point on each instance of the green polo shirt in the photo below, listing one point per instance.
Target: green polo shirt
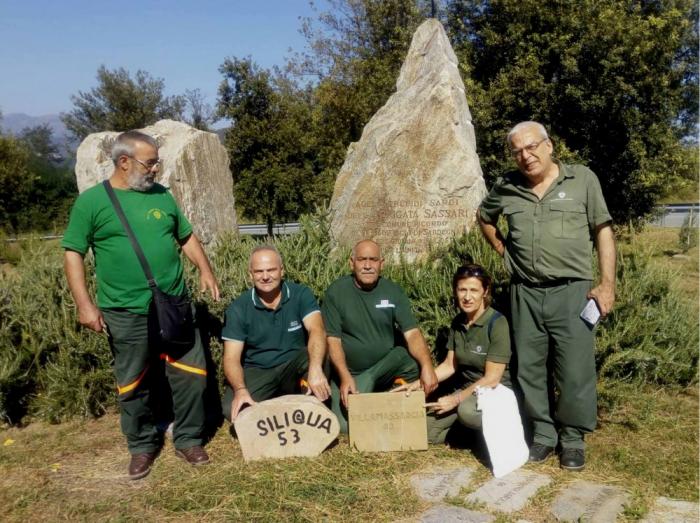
(479, 343)
(271, 336)
(157, 223)
(550, 238)
(368, 323)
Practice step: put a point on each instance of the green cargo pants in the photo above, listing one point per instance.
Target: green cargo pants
(138, 355)
(398, 363)
(263, 384)
(555, 350)
(466, 414)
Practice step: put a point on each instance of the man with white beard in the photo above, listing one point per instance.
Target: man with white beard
(124, 307)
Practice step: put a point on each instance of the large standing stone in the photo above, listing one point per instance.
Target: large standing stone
(387, 421)
(510, 493)
(284, 427)
(667, 510)
(437, 484)
(195, 168)
(586, 501)
(414, 177)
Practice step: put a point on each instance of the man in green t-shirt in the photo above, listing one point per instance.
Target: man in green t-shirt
(368, 319)
(555, 212)
(124, 300)
(274, 339)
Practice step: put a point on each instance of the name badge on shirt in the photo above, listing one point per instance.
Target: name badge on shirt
(385, 304)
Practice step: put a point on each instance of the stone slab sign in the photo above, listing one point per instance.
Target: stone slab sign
(449, 514)
(413, 178)
(440, 483)
(195, 168)
(666, 510)
(587, 501)
(289, 426)
(387, 421)
(510, 493)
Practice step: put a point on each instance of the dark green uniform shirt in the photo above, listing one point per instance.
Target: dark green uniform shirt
(551, 238)
(157, 223)
(488, 339)
(366, 321)
(271, 337)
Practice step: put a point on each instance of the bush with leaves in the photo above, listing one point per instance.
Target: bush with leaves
(53, 370)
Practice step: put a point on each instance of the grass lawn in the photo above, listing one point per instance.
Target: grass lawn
(646, 443)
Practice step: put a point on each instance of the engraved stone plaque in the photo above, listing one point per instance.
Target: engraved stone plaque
(284, 427)
(387, 421)
(666, 510)
(450, 514)
(509, 493)
(586, 501)
(437, 484)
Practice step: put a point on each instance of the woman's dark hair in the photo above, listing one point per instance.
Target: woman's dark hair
(472, 270)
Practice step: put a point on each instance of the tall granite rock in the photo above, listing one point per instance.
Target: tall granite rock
(195, 168)
(414, 177)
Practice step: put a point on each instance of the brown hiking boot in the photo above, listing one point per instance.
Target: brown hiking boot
(141, 464)
(194, 455)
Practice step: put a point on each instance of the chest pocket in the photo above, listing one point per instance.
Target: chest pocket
(567, 219)
(517, 220)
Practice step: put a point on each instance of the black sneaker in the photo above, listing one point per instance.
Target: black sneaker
(572, 459)
(539, 452)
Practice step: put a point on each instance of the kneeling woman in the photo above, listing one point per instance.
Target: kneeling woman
(478, 354)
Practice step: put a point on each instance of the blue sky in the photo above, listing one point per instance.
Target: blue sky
(51, 49)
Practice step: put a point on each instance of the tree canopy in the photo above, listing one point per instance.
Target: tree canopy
(270, 142)
(614, 82)
(120, 102)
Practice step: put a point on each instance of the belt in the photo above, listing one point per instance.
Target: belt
(546, 284)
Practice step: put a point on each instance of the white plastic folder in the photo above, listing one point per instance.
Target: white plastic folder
(503, 429)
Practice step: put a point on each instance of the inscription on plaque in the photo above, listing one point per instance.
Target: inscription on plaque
(407, 225)
(387, 421)
(283, 427)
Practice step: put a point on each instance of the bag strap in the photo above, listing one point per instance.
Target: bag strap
(493, 319)
(130, 233)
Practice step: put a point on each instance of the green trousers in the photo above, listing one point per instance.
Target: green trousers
(139, 355)
(556, 362)
(398, 363)
(466, 414)
(263, 384)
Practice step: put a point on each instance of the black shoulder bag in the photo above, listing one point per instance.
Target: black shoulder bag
(174, 313)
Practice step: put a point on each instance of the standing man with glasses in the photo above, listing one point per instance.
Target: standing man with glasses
(124, 299)
(555, 212)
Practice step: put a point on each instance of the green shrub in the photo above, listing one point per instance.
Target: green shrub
(688, 236)
(52, 369)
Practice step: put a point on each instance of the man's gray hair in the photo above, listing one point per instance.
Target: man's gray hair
(124, 144)
(264, 247)
(524, 125)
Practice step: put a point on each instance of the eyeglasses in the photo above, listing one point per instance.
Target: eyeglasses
(150, 165)
(530, 148)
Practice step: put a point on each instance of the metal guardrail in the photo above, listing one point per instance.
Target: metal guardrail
(670, 215)
(256, 229)
(675, 214)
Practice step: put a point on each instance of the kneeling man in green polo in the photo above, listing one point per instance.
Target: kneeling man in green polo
(373, 337)
(274, 339)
